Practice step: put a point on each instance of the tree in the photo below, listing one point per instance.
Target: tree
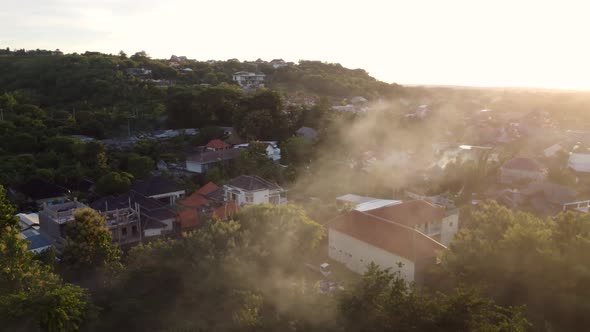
(31, 296)
(214, 175)
(383, 301)
(517, 258)
(296, 150)
(140, 56)
(113, 183)
(139, 166)
(262, 118)
(284, 228)
(89, 245)
(254, 161)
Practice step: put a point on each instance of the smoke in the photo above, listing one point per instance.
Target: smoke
(391, 147)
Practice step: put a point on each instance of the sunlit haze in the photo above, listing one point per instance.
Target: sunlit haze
(482, 43)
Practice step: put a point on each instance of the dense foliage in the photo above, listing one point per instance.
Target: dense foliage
(518, 259)
(32, 296)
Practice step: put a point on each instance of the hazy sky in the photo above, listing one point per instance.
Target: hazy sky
(486, 43)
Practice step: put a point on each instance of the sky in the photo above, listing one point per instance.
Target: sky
(525, 43)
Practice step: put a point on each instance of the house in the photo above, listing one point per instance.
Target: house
(249, 80)
(206, 160)
(579, 162)
(393, 237)
(579, 206)
(522, 169)
(54, 217)
(553, 150)
(358, 100)
(202, 204)
(548, 198)
(364, 203)
(251, 189)
(278, 63)
(437, 222)
(216, 145)
(82, 138)
(38, 242)
(273, 152)
(150, 217)
(41, 191)
(420, 112)
(160, 188)
(349, 108)
(309, 133)
(139, 72)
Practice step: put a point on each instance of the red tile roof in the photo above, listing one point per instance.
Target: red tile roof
(410, 213)
(217, 144)
(208, 188)
(394, 238)
(195, 200)
(188, 219)
(225, 211)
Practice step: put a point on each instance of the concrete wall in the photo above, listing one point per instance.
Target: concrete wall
(260, 197)
(49, 227)
(172, 197)
(450, 226)
(152, 232)
(193, 166)
(357, 255)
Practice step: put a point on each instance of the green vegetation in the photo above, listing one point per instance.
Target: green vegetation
(519, 259)
(32, 296)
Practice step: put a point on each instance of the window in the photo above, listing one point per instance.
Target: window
(134, 230)
(451, 224)
(124, 231)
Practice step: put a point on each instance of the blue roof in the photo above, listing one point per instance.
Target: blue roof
(38, 241)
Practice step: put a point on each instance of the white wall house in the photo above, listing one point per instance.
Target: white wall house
(579, 162)
(405, 237)
(246, 189)
(450, 227)
(356, 255)
(204, 161)
(249, 80)
(273, 152)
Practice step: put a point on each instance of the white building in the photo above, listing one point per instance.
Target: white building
(273, 152)
(278, 63)
(250, 189)
(404, 237)
(364, 203)
(249, 80)
(37, 241)
(579, 162)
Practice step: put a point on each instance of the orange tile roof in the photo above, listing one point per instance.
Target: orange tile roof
(208, 188)
(394, 238)
(195, 200)
(225, 211)
(218, 144)
(188, 219)
(410, 213)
